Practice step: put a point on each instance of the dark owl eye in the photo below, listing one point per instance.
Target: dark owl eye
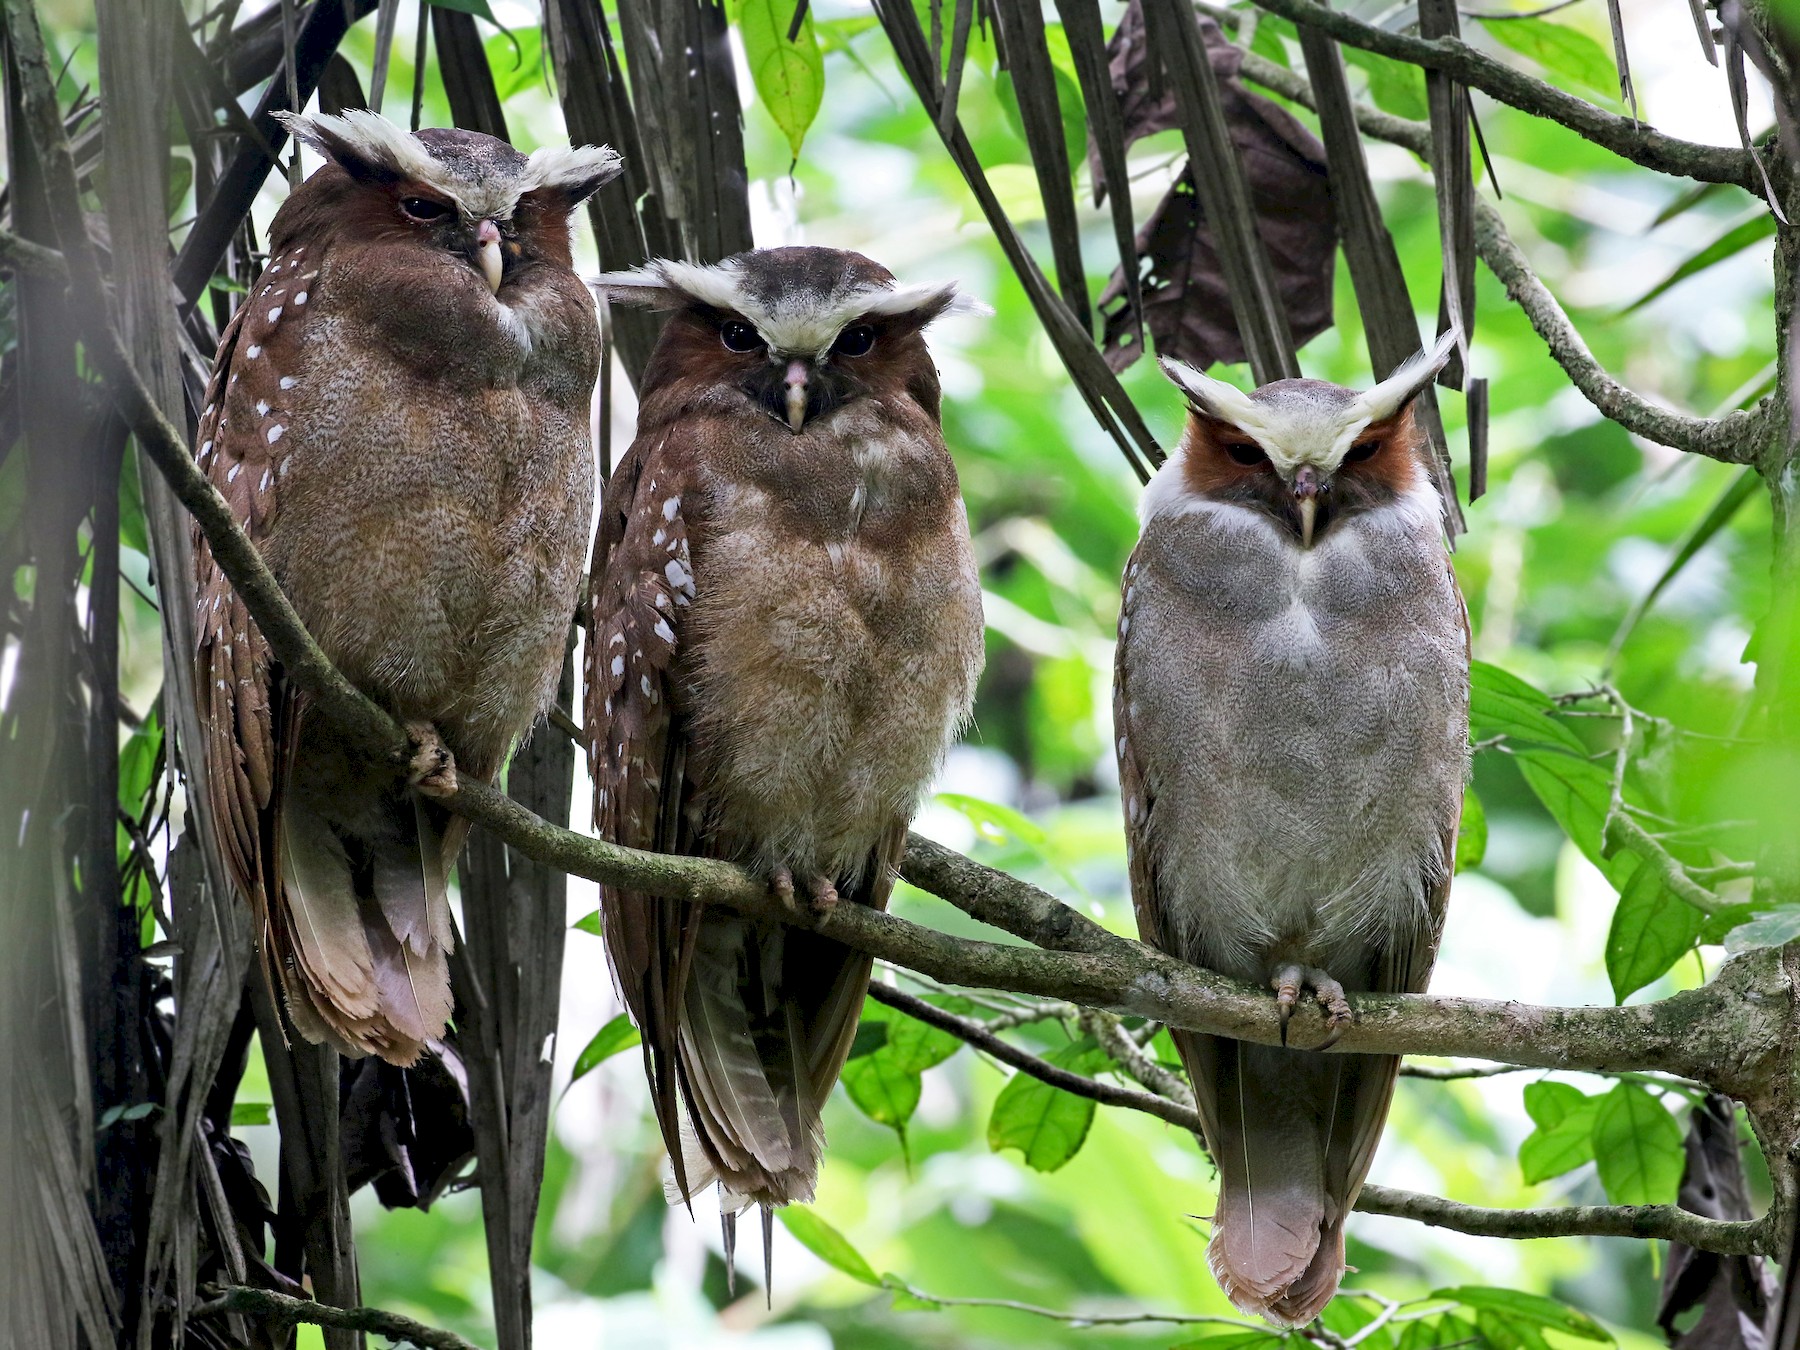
(856, 340)
(1247, 453)
(424, 208)
(739, 337)
(1361, 450)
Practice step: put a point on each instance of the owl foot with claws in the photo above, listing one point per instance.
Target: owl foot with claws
(822, 894)
(432, 768)
(1292, 979)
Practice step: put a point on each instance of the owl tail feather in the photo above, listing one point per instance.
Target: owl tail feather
(1292, 1133)
(361, 929)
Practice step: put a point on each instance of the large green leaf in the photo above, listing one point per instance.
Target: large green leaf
(1577, 792)
(1773, 928)
(615, 1036)
(1394, 86)
(826, 1243)
(1561, 50)
(1532, 1309)
(1564, 1137)
(883, 1081)
(789, 76)
(1637, 1147)
(1046, 1124)
(1652, 929)
(1500, 703)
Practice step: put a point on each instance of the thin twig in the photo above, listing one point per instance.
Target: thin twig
(284, 1310)
(1077, 1319)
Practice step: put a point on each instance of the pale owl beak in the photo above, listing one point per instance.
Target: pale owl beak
(796, 395)
(487, 250)
(1307, 487)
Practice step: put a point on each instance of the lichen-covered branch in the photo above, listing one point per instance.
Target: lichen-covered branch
(1735, 438)
(284, 1310)
(1636, 141)
(1749, 1238)
(21, 255)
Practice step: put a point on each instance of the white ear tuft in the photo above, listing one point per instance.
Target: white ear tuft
(663, 283)
(1412, 375)
(1213, 397)
(361, 140)
(577, 170)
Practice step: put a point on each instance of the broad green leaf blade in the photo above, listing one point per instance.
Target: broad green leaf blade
(1531, 1308)
(589, 923)
(1774, 928)
(870, 1037)
(1652, 929)
(1564, 1138)
(1577, 792)
(1560, 50)
(826, 1243)
(1044, 1123)
(250, 1113)
(1753, 229)
(479, 8)
(1637, 1147)
(789, 76)
(615, 1036)
(1394, 86)
(883, 1081)
(1471, 833)
(1501, 703)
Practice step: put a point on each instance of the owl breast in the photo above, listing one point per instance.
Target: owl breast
(433, 523)
(1310, 726)
(838, 617)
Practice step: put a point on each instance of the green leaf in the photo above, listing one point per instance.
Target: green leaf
(870, 1037)
(884, 1083)
(137, 760)
(589, 923)
(1753, 229)
(996, 823)
(1746, 485)
(1046, 1124)
(1564, 1138)
(1530, 1308)
(1652, 929)
(1471, 832)
(826, 1243)
(1501, 703)
(1394, 86)
(1577, 792)
(479, 8)
(250, 1113)
(1233, 1340)
(908, 1299)
(1560, 50)
(1637, 1146)
(615, 1036)
(1772, 928)
(789, 76)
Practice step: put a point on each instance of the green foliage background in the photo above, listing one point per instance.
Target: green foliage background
(944, 1176)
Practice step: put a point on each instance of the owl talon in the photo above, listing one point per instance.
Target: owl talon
(432, 768)
(822, 894)
(1291, 980)
(781, 882)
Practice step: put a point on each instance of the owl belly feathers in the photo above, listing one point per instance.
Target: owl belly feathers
(1311, 742)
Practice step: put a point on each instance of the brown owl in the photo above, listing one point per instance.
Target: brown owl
(398, 415)
(786, 634)
(1292, 708)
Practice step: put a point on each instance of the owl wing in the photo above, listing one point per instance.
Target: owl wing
(242, 452)
(638, 601)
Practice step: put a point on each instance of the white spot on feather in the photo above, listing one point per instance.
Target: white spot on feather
(288, 381)
(232, 473)
(663, 631)
(670, 507)
(253, 351)
(618, 666)
(300, 299)
(274, 313)
(262, 407)
(275, 434)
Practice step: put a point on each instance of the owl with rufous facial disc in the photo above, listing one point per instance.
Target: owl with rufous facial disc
(785, 633)
(398, 417)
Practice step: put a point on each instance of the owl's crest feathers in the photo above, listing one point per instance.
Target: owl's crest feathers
(485, 177)
(1308, 421)
(784, 295)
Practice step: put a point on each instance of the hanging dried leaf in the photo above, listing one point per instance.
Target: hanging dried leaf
(1187, 305)
(1732, 1292)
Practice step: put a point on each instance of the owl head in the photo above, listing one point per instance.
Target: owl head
(1306, 452)
(796, 331)
(460, 192)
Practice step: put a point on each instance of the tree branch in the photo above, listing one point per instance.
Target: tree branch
(1735, 438)
(21, 255)
(1635, 141)
(1173, 1102)
(285, 1311)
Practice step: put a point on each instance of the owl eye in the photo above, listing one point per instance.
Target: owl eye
(739, 337)
(856, 340)
(1247, 453)
(424, 208)
(1362, 450)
